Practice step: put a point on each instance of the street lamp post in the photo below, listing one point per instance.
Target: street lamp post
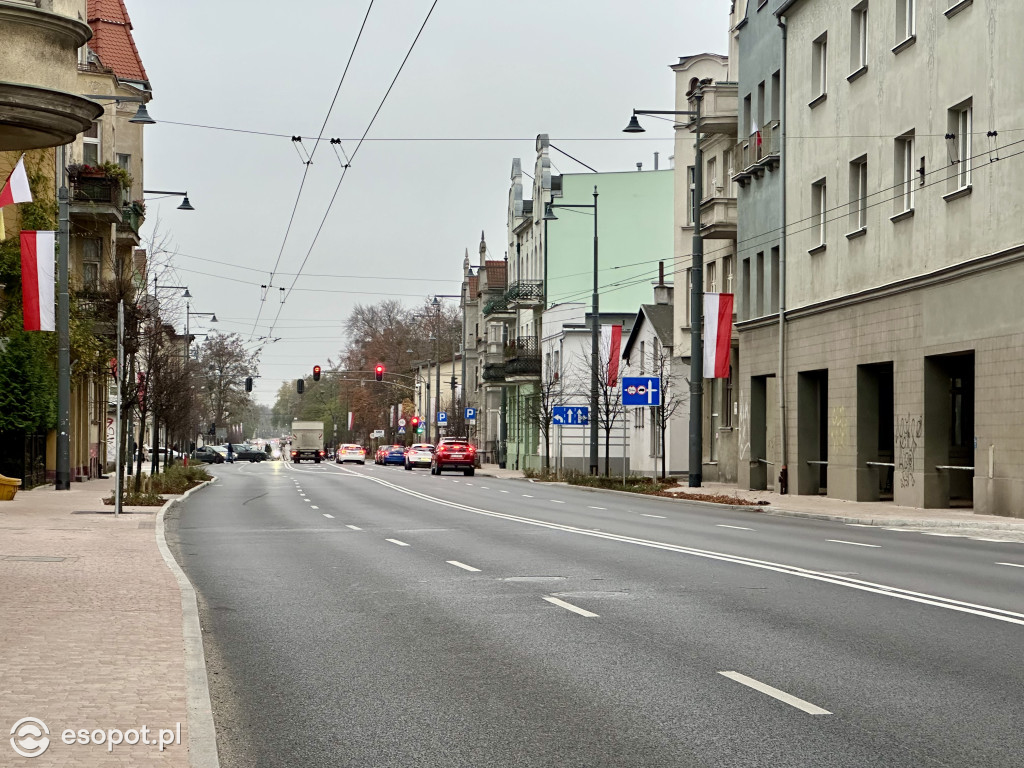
(595, 325)
(188, 340)
(156, 330)
(696, 457)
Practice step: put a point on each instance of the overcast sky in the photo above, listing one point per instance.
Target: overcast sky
(484, 79)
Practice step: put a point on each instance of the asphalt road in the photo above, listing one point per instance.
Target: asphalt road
(369, 616)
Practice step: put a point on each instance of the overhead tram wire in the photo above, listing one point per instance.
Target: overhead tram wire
(305, 172)
(344, 172)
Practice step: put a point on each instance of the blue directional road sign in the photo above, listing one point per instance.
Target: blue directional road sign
(570, 415)
(442, 418)
(641, 390)
(471, 414)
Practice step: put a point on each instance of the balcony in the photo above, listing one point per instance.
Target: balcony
(131, 220)
(718, 218)
(498, 306)
(522, 360)
(494, 373)
(756, 153)
(718, 109)
(525, 293)
(39, 59)
(97, 199)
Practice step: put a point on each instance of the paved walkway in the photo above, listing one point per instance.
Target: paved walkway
(91, 628)
(879, 513)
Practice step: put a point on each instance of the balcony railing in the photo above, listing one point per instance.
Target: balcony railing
(757, 152)
(497, 305)
(494, 372)
(522, 357)
(131, 220)
(718, 108)
(525, 292)
(99, 190)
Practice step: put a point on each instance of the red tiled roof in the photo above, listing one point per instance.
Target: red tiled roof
(496, 271)
(474, 286)
(112, 39)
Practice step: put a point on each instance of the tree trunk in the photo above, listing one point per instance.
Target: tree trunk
(607, 446)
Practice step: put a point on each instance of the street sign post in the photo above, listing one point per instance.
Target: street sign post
(442, 418)
(401, 422)
(570, 415)
(471, 415)
(641, 390)
(401, 430)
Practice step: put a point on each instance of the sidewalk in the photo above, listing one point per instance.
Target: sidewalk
(881, 513)
(91, 636)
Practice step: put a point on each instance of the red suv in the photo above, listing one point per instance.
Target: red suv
(454, 453)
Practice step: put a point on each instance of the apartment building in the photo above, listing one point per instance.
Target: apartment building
(904, 253)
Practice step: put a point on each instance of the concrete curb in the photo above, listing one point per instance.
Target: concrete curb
(202, 734)
(883, 522)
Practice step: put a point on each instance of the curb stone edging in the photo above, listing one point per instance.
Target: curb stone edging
(202, 734)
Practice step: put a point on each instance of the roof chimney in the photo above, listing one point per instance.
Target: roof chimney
(655, 161)
(662, 292)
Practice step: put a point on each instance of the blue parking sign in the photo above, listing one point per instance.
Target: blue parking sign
(471, 414)
(442, 418)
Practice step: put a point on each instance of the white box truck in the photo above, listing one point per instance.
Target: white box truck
(307, 441)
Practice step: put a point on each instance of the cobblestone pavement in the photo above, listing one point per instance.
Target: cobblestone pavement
(91, 634)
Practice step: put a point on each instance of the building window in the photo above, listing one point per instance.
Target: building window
(91, 144)
(904, 167)
(642, 353)
(819, 210)
(758, 288)
(859, 194)
(92, 254)
(760, 104)
(906, 19)
(745, 289)
(773, 296)
(689, 194)
(859, 37)
(686, 299)
(776, 94)
(712, 278)
(727, 274)
(819, 63)
(960, 121)
(727, 400)
(711, 182)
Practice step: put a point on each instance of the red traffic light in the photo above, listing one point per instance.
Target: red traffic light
(379, 372)
(415, 421)
(316, 373)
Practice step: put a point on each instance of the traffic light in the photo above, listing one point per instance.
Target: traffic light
(379, 372)
(300, 386)
(414, 422)
(248, 384)
(316, 373)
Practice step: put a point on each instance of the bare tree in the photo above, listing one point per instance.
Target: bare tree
(675, 393)
(609, 398)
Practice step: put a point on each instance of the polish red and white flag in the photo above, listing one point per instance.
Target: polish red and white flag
(611, 344)
(38, 253)
(16, 189)
(717, 334)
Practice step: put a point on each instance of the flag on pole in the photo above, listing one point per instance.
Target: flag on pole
(16, 189)
(717, 334)
(350, 415)
(755, 131)
(613, 345)
(38, 253)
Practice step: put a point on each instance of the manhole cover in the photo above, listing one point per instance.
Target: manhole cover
(535, 578)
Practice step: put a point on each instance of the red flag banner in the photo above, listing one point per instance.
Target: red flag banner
(614, 353)
(717, 334)
(38, 253)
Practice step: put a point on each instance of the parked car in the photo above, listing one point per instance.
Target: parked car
(245, 452)
(419, 455)
(354, 453)
(208, 455)
(222, 451)
(395, 454)
(454, 453)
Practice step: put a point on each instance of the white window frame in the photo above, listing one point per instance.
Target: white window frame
(964, 145)
(93, 141)
(906, 19)
(819, 66)
(712, 277)
(905, 172)
(859, 194)
(727, 274)
(819, 208)
(859, 37)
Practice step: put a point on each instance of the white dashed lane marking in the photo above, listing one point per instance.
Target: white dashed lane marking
(331, 517)
(463, 566)
(775, 693)
(570, 607)
(854, 543)
(354, 527)
(396, 541)
(736, 527)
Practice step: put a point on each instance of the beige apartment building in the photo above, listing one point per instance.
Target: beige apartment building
(904, 257)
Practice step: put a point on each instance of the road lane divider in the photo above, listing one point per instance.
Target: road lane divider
(463, 566)
(735, 527)
(861, 585)
(1012, 565)
(660, 517)
(571, 607)
(354, 527)
(396, 541)
(603, 509)
(329, 517)
(775, 693)
(854, 543)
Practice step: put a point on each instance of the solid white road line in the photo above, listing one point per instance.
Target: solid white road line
(1012, 565)
(978, 538)
(737, 527)
(325, 514)
(903, 530)
(860, 525)
(660, 517)
(396, 541)
(570, 607)
(601, 508)
(354, 527)
(463, 566)
(854, 543)
(775, 693)
(947, 535)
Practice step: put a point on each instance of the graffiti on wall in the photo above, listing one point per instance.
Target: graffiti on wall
(909, 430)
(838, 430)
